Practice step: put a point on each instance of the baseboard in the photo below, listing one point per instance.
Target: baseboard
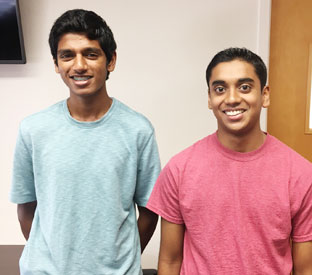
(9, 257)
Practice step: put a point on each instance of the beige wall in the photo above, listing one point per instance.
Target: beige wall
(163, 50)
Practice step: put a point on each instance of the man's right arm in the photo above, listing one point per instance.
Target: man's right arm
(25, 213)
(171, 248)
(302, 258)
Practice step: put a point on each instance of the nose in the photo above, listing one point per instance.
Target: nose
(232, 97)
(80, 64)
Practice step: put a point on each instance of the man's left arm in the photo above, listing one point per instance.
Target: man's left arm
(148, 171)
(302, 258)
(147, 222)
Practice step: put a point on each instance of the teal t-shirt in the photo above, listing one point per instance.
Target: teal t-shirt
(86, 178)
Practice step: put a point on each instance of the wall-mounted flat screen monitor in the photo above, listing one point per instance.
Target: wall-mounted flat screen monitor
(12, 49)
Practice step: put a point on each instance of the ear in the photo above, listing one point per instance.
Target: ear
(209, 100)
(266, 97)
(56, 67)
(111, 65)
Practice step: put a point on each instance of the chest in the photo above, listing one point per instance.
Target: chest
(79, 149)
(85, 163)
(247, 196)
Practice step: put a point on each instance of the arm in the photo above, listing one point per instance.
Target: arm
(147, 222)
(171, 248)
(25, 213)
(302, 258)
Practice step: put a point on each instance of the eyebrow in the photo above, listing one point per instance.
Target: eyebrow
(218, 82)
(247, 79)
(60, 52)
(86, 50)
(240, 81)
(96, 50)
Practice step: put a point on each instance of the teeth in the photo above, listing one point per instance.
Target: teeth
(81, 78)
(234, 112)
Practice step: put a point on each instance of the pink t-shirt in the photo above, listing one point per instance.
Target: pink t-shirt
(239, 209)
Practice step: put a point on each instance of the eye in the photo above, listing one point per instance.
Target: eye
(245, 88)
(219, 89)
(66, 56)
(92, 55)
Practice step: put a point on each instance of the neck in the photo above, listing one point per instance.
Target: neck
(242, 143)
(88, 108)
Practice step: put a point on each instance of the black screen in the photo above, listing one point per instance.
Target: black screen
(11, 38)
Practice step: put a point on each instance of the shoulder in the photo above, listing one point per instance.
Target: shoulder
(131, 119)
(42, 118)
(289, 162)
(283, 153)
(191, 155)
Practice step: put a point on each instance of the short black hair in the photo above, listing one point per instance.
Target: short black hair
(240, 54)
(84, 22)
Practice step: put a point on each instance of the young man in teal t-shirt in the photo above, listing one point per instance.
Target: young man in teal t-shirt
(81, 165)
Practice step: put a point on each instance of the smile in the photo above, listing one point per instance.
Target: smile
(80, 78)
(233, 112)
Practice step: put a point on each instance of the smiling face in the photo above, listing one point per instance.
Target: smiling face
(82, 65)
(236, 99)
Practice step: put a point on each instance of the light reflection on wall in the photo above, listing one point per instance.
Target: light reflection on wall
(310, 119)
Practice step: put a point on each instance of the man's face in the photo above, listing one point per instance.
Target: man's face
(82, 64)
(235, 97)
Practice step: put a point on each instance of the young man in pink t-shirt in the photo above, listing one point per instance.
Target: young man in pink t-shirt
(233, 201)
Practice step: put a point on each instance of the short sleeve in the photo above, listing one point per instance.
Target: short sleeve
(22, 189)
(148, 171)
(164, 199)
(302, 215)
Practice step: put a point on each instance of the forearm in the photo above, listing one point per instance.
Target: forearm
(307, 271)
(302, 272)
(25, 213)
(171, 248)
(147, 222)
(302, 258)
(169, 267)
